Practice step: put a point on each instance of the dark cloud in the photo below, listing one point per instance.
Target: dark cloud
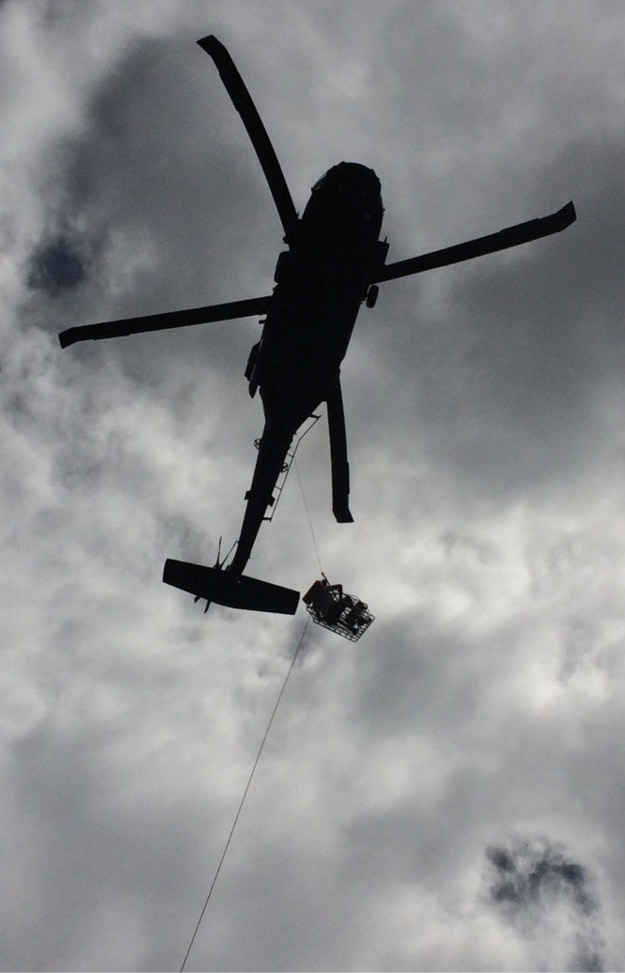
(586, 959)
(533, 878)
(55, 266)
(532, 872)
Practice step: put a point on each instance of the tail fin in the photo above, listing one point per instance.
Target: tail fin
(230, 590)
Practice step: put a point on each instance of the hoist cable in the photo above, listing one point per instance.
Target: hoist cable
(247, 787)
(312, 532)
(315, 418)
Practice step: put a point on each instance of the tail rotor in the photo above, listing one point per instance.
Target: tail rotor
(217, 566)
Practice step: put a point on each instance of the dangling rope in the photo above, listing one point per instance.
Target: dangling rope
(247, 787)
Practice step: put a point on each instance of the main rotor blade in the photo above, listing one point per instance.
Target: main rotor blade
(243, 103)
(511, 236)
(171, 319)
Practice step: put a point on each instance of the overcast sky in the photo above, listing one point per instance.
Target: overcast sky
(448, 793)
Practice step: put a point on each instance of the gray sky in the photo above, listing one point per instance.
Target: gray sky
(446, 793)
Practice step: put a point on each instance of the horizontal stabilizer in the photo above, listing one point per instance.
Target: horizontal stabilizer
(227, 589)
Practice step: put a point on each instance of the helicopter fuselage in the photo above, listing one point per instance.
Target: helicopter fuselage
(321, 282)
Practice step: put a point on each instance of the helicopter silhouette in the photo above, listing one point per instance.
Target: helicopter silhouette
(334, 262)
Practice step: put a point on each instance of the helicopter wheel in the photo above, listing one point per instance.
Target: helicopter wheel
(372, 295)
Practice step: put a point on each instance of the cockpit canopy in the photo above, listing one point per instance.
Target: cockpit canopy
(349, 174)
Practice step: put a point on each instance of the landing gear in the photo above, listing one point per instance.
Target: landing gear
(372, 295)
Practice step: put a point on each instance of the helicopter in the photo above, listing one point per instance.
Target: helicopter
(334, 262)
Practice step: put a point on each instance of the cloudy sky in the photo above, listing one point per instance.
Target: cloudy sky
(448, 793)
